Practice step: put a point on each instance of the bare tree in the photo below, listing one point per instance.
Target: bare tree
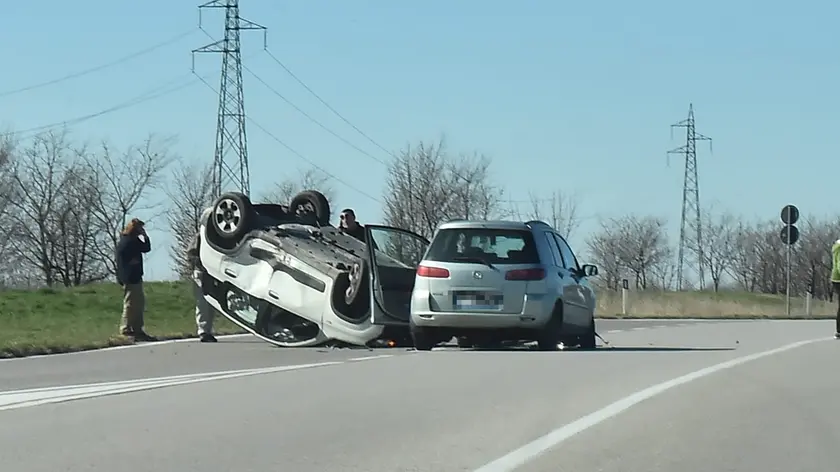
(638, 245)
(49, 212)
(560, 210)
(743, 266)
(605, 250)
(6, 171)
(9, 265)
(6, 189)
(719, 237)
(771, 258)
(759, 257)
(125, 181)
(79, 234)
(308, 179)
(664, 275)
(818, 235)
(644, 245)
(426, 186)
(190, 191)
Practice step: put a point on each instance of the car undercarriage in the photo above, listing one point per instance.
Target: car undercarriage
(324, 274)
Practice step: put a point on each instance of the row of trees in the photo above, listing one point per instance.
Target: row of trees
(62, 205)
(736, 253)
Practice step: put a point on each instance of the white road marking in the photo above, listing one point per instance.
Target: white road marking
(640, 328)
(16, 399)
(614, 331)
(127, 346)
(367, 358)
(514, 459)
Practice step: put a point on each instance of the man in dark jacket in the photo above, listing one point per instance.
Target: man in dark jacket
(349, 226)
(204, 313)
(133, 243)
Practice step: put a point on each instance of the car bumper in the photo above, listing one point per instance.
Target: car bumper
(535, 313)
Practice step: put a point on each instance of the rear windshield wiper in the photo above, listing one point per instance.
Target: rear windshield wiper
(477, 260)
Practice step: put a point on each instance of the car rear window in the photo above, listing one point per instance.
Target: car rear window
(496, 246)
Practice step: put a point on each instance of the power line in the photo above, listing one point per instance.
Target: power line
(98, 68)
(339, 115)
(308, 116)
(324, 102)
(330, 131)
(691, 194)
(296, 153)
(152, 94)
(149, 95)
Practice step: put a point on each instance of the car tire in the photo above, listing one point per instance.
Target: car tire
(421, 338)
(311, 202)
(588, 341)
(551, 334)
(232, 217)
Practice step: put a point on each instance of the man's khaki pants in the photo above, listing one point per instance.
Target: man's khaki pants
(204, 313)
(134, 305)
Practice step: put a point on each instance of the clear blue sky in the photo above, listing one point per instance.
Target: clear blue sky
(577, 96)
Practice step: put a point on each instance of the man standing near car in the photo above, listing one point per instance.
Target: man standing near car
(204, 313)
(350, 226)
(133, 243)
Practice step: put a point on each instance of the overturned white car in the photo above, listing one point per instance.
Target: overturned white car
(286, 275)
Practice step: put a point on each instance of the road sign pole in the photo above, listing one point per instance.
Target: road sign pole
(625, 285)
(808, 310)
(787, 277)
(789, 235)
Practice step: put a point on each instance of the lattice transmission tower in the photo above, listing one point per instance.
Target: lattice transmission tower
(230, 165)
(691, 197)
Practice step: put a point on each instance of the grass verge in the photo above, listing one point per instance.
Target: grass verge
(51, 321)
(709, 305)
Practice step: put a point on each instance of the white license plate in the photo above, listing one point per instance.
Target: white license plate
(477, 301)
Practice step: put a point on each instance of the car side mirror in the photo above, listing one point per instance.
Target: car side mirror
(589, 270)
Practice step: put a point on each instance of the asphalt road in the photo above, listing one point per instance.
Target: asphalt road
(643, 403)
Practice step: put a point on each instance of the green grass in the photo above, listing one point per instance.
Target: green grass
(65, 320)
(721, 305)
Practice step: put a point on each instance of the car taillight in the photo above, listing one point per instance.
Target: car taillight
(432, 272)
(525, 274)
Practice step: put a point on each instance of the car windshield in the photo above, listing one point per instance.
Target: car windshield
(484, 246)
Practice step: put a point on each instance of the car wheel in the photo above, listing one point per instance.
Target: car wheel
(232, 216)
(550, 334)
(421, 338)
(587, 341)
(311, 202)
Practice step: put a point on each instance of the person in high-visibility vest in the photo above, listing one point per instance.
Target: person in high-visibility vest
(835, 281)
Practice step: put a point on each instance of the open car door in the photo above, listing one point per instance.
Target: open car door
(394, 255)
